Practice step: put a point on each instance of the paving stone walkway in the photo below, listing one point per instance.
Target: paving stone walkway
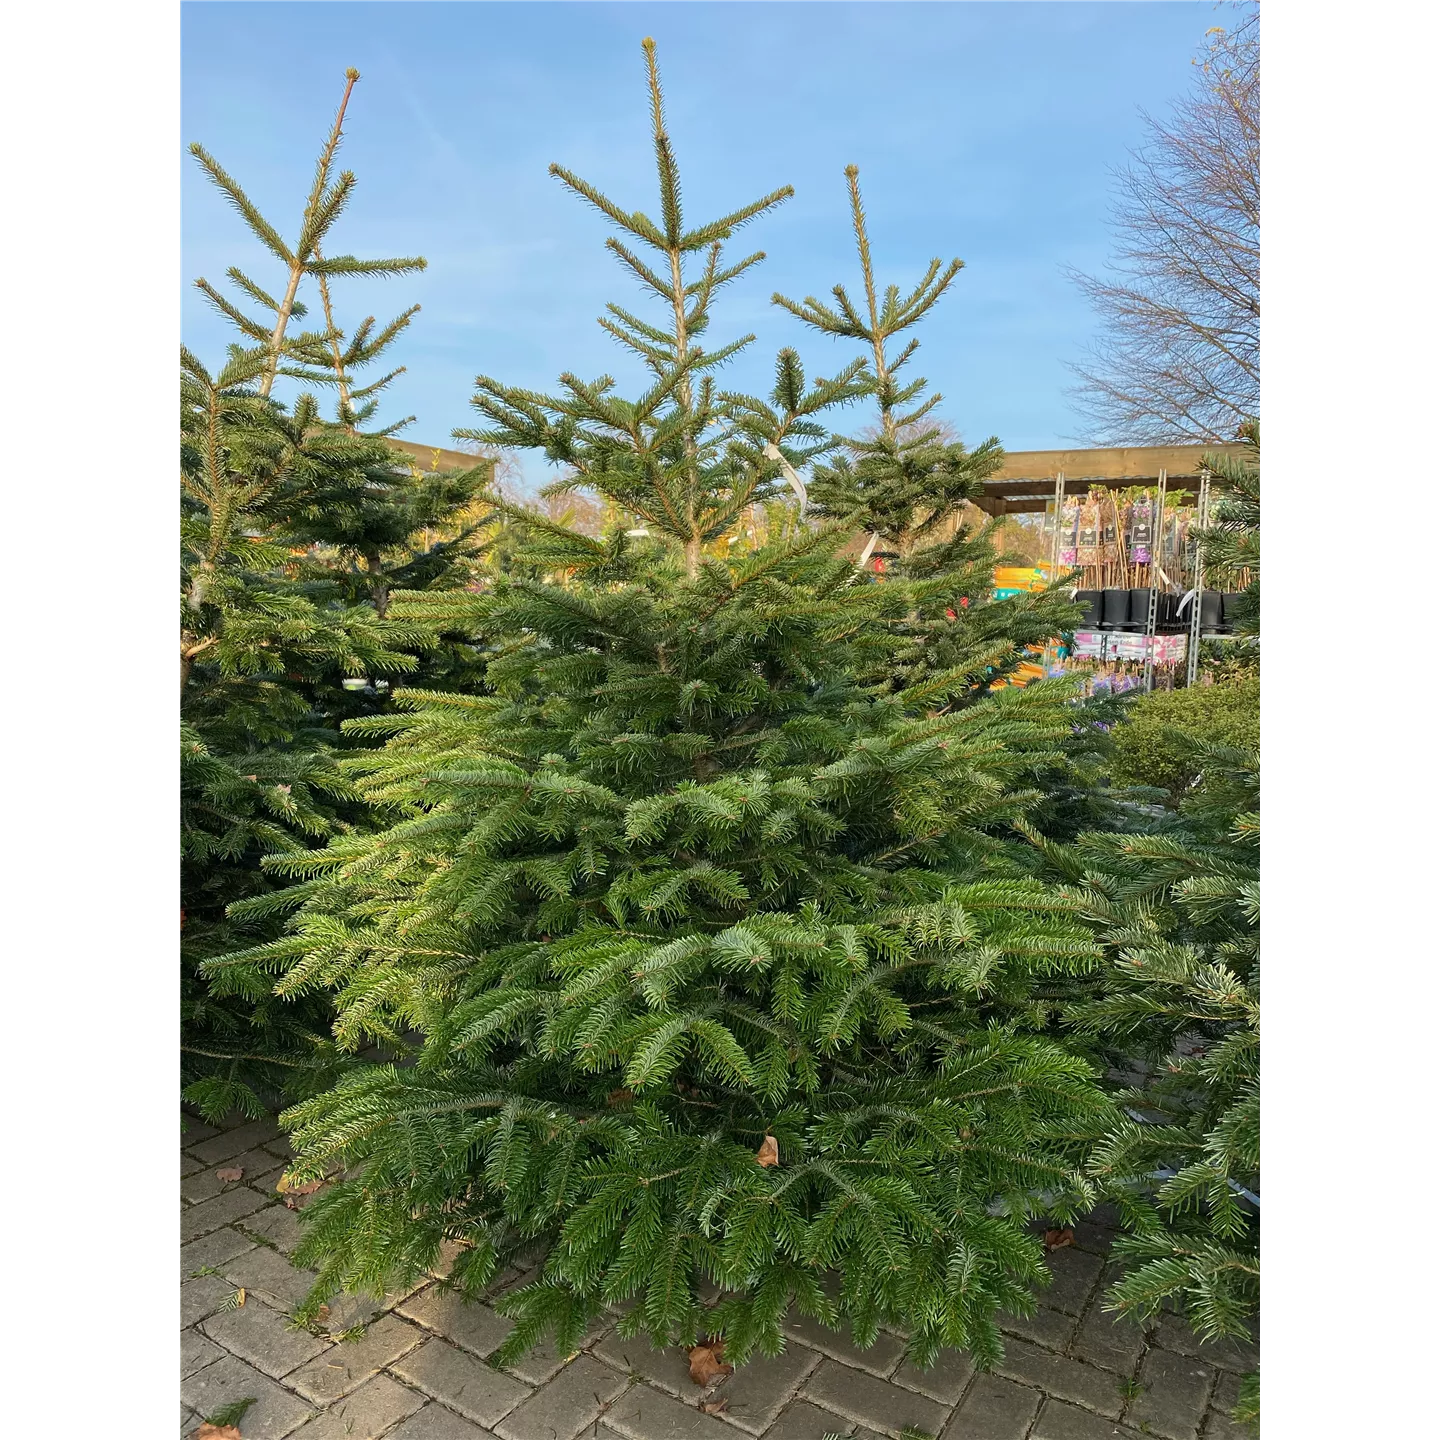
(414, 1366)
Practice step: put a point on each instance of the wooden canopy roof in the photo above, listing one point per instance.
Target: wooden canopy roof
(1026, 481)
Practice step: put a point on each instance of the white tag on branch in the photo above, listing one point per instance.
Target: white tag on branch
(772, 452)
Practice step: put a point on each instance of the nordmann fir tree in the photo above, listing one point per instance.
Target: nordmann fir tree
(906, 485)
(715, 967)
(1178, 1009)
(269, 627)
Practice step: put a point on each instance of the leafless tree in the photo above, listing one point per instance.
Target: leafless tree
(1178, 356)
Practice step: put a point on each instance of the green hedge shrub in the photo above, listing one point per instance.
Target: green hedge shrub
(1151, 748)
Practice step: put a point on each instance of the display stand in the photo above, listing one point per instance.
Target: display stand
(1153, 612)
(1156, 573)
(1202, 518)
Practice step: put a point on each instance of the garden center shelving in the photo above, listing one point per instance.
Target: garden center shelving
(1153, 538)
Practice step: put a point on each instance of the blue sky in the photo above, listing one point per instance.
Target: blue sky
(982, 130)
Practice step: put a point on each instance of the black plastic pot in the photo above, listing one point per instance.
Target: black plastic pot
(1167, 617)
(1090, 600)
(1114, 609)
(1229, 608)
(1210, 608)
(1139, 608)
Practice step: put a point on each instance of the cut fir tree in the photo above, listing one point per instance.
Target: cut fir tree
(907, 481)
(719, 964)
(292, 531)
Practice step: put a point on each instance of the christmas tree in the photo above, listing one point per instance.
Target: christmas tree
(292, 532)
(1176, 1017)
(907, 483)
(1179, 1009)
(718, 959)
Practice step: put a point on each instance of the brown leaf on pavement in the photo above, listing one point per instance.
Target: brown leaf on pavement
(217, 1432)
(768, 1153)
(714, 1407)
(229, 1173)
(707, 1361)
(287, 1186)
(1057, 1239)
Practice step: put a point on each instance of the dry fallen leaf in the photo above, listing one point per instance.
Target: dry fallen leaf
(768, 1153)
(1058, 1239)
(714, 1407)
(322, 1313)
(217, 1432)
(287, 1186)
(230, 1173)
(707, 1361)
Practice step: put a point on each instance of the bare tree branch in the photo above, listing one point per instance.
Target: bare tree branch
(1178, 356)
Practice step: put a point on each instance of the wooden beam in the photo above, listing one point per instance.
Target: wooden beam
(1132, 464)
(432, 457)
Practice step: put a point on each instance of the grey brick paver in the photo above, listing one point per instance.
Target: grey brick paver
(202, 1297)
(1059, 1421)
(645, 1414)
(367, 1413)
(945, 1381)
(235, 1204)
(994, 1409)
(536, 1366)
(873, 1402)
(350, 1363)
(801, 1420)
(203, 1184)
(1073, 1275)
(880, 1359)
(196, 1352)
(469, 1324)
(758, 1390)
(1055, 1375)
(349, 1311)
(278, 1224)
(449, 1250)
(419, 1373)
(1093, 1237)
(267, 1181)
(263, 1337)
(270, 1277)
(668, 1368)
(435, 1422)
(1051, 1329)
(561, 1409)
(1173, 1332)
(228, 1143)
(276, 1412)
(1109, 1340)
(1218, 1424)
(1173, 1401)
(193, 1131)
(461, 1381)
(215, 1249)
